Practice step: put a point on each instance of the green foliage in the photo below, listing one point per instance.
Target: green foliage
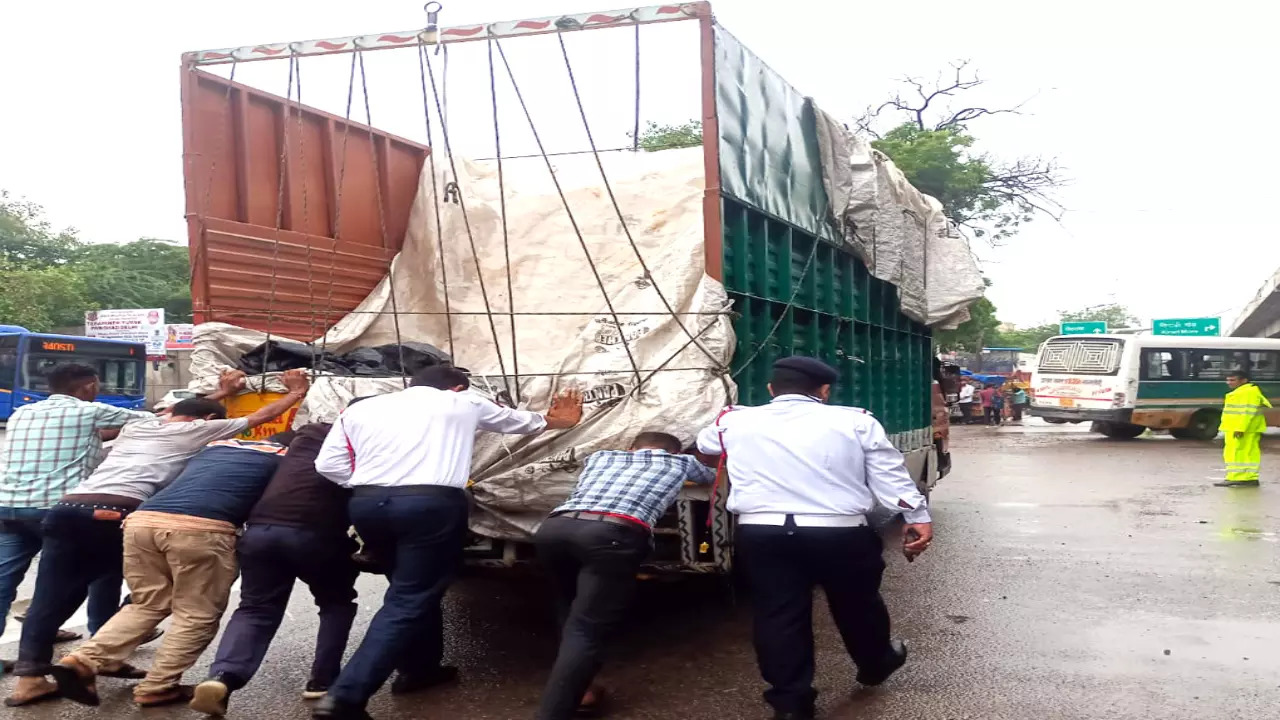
(669, 137)
(936, 163)
(979, 331)
(42, 299)
(49, 279)
(1114, 315)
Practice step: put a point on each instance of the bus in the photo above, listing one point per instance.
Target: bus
(1125, 384)
(27, 358)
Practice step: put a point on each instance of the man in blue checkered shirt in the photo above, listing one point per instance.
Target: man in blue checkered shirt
(593, 545)
(52, 446)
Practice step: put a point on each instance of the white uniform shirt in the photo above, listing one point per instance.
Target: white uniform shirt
(966, 393)
(799, 456)
(418, 436)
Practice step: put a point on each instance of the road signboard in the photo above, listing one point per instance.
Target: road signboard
(1090, 327)
(1186, 326)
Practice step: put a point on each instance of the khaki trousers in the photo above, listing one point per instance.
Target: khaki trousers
(183, 573)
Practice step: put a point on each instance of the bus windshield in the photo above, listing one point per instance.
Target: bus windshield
(118, 375)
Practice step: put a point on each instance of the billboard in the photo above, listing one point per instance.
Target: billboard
(132, 324)
(178, 336)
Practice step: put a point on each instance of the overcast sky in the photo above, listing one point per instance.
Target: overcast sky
(1161, 113)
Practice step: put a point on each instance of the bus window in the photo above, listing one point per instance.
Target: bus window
(116, 376)
(119, 377)
(1264, 365)
(1215, 364)
(1162, 364)
(8, 361)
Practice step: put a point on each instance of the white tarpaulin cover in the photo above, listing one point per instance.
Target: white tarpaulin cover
(899, 232)
(516, 481)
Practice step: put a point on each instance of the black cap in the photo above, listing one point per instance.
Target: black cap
(812, 368)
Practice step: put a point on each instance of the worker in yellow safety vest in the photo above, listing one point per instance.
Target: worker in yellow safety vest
(1243, 423)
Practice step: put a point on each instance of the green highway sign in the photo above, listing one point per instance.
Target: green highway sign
(1090, 327)
(1186, 326)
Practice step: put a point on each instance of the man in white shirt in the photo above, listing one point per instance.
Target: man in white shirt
(407, 457)
(804, 476)
(966, 402)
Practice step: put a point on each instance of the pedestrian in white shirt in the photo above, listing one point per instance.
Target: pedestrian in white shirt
(966, 402)
(407, 457)
(804, 476)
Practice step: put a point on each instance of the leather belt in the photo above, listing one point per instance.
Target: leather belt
(780, 519)
(614, 519)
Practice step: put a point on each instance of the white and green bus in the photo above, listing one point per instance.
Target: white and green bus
(1125, 384)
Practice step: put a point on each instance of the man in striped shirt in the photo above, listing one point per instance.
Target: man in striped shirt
(53, 445)
(593, 545)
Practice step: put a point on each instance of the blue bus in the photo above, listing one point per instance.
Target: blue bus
(27, 358)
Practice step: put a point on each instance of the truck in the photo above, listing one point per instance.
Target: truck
(302, 220)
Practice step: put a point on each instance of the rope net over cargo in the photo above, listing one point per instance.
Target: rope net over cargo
(483, 193)
(507, 99)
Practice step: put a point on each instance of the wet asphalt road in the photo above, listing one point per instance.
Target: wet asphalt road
(1072, 577)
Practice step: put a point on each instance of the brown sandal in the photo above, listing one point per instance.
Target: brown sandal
(50, 692)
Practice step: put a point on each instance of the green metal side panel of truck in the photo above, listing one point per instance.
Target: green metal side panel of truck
(776, 216)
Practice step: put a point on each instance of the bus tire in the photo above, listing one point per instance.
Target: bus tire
(1203, 426)
(1117, 430)
(1055, 421)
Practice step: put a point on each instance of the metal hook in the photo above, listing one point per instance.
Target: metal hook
(432, 9)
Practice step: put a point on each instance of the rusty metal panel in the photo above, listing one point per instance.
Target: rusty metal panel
(342, 185)
(283, 282)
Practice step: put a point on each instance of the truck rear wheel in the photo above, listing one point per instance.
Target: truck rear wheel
(1203, 426)
(1117, 430)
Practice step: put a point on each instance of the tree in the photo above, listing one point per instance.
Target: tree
(979, 331)
(145, 273)
(49, 279)
(1114, 315)
(669, 137)
(932, 146)
(26, 238)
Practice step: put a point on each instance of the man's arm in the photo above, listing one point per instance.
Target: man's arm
(565, 412)
(230, 382)
(697, 472)
(297, 383)
(111, 418)
(889, 481)
(335, 460)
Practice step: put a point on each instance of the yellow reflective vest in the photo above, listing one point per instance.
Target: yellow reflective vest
(1242, 410)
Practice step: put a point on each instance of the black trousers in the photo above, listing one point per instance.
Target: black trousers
(272, 559)
(782, 565)
(81, 557)
(593, 567)
(420, 532)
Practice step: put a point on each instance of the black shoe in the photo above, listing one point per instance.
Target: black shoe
(211, 697)
(405, 684)
(1232, 483)
(314, 690)
(876, 676)
(330, 709)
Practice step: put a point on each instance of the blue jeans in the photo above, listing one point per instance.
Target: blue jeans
(272, 559)
(419, 532)
(20, 540)
(81, 557)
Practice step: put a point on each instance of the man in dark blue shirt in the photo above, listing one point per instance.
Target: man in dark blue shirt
(179, 560)
(297, 531)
